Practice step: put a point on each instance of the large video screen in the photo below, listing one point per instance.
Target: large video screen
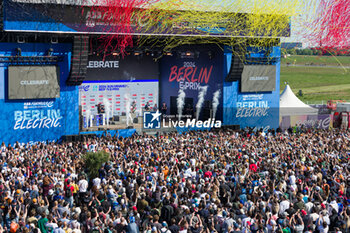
(129, 68)
(33, 82)
(116, 104)
(258, 78)
(114, 94)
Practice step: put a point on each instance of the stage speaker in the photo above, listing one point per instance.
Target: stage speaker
(76, 138)
(232, 127)
(1, 15)
(71, 138)
(21, 39)
(207, 104)
(173, 105)
(79, 60)
(54, 40)
(187, 109)
(84, 136)
(67, 138)
(205, 114)
(237, 65)
(81, 118)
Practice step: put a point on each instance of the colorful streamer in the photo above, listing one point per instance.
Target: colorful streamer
(170, 23)
(331, 26)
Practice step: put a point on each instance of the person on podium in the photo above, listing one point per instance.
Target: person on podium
(164, 108)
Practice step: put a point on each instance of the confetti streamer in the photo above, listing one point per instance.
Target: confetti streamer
(331, 26)
(167, 24)
(118, 18)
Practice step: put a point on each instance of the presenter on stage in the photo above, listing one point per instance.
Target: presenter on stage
(155, 108)
(132, 112)
(100, 110)
(164, 108)
(147, 106)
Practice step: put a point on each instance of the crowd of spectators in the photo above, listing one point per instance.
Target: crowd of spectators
(224, 181)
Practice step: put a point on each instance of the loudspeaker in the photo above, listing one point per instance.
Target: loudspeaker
(205, 114)
(71, 138)
(79, 60)
(67, 138)
(136, 120)
(187, 109)
(21, 39)
(81, 118)
(54, 40)
(1, 15)
(207, 104)
(232, 127)
(87, 136)
(237, 65)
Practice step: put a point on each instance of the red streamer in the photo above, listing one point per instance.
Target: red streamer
(332, 25)
(118, 19)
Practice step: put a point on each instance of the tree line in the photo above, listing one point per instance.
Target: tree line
(318, 51)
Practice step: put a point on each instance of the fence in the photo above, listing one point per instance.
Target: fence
(320, 102)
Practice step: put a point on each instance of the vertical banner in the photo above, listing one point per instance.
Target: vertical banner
(259, 107)
(193, 73)
(29, 118)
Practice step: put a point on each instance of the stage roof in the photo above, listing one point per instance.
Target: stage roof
(70, 17)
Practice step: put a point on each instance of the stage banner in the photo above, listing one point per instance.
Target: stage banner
(128, 68)
(117, 97)
(38, 120)
(257, 109)
(309, 121)
(200, 77)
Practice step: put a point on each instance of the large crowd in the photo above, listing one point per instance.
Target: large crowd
(226, 181)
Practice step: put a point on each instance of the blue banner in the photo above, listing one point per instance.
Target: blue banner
(44, 119)
(114, 133)
(260, 109)
(190, 74)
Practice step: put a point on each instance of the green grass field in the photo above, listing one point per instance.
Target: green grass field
(317, 83)
(317, 60)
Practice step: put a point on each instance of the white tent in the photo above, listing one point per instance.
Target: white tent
(290, 105)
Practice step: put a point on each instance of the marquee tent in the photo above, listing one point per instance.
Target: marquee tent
(290, 105)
